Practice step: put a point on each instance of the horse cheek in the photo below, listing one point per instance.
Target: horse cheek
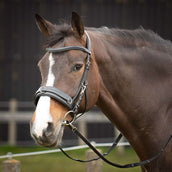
(93, 85)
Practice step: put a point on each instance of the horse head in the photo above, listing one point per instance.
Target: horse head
(63, 71)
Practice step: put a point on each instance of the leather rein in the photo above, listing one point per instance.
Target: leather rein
(73, 104)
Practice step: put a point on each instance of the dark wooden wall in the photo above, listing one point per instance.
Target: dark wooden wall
(20, 40)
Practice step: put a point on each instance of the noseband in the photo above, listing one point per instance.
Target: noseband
(72, 103)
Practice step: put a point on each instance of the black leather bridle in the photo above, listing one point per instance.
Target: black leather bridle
(72, 103)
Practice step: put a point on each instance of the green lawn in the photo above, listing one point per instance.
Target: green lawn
(58, 162)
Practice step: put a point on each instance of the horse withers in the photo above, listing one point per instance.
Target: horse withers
(129, 78)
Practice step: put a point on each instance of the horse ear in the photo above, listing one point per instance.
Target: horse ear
(44, 26)
(77, 25)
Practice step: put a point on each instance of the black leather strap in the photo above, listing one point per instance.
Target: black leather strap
(64, 49)
(56, 94)
(90, 160)
(75, 131)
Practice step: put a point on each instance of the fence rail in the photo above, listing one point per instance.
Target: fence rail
(26, 116)
(12, 165)
(13, 117)
(10, 155)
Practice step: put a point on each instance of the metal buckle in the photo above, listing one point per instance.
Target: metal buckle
(84, 86)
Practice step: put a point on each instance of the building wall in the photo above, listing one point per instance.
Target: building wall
(20, 40)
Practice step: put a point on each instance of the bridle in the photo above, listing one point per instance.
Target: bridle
(73, 103)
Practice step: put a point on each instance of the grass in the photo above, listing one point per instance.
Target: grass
(58, 162)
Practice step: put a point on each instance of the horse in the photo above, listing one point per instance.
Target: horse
(129, 80)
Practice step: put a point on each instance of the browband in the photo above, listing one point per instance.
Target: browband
(63, 49)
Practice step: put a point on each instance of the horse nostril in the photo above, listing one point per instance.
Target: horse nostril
(49, 130)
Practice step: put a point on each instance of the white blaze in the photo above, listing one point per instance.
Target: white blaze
(51, 77)
(43, 107)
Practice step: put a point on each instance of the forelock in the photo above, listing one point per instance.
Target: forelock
(60, 32)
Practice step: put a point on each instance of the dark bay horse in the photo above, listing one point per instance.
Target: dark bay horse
(130, 80)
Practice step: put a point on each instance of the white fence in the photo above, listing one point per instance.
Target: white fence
(12, 165)
(12, 117)
(10, 155)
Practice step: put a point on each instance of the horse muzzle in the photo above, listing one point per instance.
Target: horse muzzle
(46, 126)
(50, 136)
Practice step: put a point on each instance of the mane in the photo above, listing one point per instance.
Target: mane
(126, 38)
(135, 38)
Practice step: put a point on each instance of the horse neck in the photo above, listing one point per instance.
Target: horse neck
(140, 130)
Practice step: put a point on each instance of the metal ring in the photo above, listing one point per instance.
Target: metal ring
(65, 122)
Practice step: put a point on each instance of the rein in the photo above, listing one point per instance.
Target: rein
(73, 104)
(100, 156)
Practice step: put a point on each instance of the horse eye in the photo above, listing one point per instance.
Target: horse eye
(77, 67)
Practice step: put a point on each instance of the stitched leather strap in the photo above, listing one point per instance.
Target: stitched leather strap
(75, 131)
(94, 159)
(56, 94)
(63, 49)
